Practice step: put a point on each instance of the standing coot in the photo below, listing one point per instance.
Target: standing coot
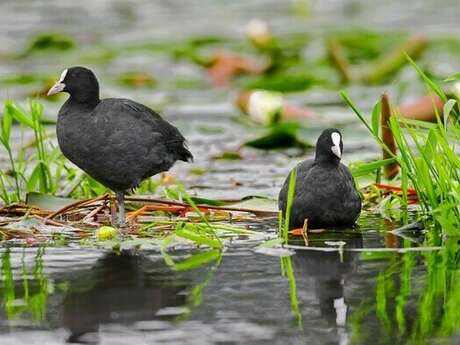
(116, 141)
(325, 192)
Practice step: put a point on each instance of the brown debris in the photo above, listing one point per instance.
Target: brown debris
(339, 60)
(424, 109)
(225, 66)
(390, 170)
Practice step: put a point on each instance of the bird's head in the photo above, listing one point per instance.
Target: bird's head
(79, 82)
(329, 146)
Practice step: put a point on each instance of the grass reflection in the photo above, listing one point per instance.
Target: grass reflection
(19, 296)
(416, 299)
(287, 270)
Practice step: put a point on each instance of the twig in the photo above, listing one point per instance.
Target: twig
(305, 232)
(223, 208)
(48, 221)
(339, 60)
(95, 211)
(76, 204)
(395, 59)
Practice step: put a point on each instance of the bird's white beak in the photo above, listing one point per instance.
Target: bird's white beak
(56, 88)
(336, 150)
(336, 144)
(59, 86)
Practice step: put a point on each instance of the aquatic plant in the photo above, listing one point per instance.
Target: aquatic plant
(45, 169)
(285, 219)
(427, 157)
(24, 177)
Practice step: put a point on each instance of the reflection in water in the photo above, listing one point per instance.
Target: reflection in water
(325, 274)
(396, 298)
(118, 289)
(413, 302)
(31, 295)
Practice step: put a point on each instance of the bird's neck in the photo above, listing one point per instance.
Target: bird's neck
(327, 160)
(87, 101)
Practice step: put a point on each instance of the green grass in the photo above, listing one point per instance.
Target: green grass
(427, 158)
(285, 219)
(39, 166)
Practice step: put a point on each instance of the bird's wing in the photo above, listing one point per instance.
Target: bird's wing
(303, 168)
(170, 132)
(347, 173)
(133, 114)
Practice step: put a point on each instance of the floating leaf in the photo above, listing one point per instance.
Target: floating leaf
(257, 203)
(47, 202)
(228, 155)
(137, 79)
(280, 136)
(284, 82)
(49, 41)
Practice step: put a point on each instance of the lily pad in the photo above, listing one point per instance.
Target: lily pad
(47, 202)
(280, 136)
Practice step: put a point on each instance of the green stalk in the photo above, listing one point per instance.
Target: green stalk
(290, 200)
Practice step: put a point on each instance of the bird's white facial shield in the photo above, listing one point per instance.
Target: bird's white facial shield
(59, 86)
(335, 137)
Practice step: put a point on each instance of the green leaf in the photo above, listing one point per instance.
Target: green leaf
(364, 169)
(283, 82)
(375, 119)
(257, 203)
(431, 84)
(280, 136)
(47, 202)
(448, 106)
(19, 114)
(271, 243)
(198, 260)
(34, 178)
(7, 121)
(289, 203)
(454, 77)
(196, 237)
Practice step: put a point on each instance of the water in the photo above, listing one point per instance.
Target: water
(383, 288)
(58, 295)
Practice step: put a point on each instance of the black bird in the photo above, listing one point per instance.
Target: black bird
(116, 141)
(325, 192)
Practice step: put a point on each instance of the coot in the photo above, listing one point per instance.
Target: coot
(116, 141)
(325, 192)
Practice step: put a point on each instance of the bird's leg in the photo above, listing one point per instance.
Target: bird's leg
(121, 222)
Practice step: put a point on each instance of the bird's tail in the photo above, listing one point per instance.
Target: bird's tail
(184, 154)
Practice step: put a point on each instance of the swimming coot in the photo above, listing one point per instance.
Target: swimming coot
(116, 141)
(325, 192)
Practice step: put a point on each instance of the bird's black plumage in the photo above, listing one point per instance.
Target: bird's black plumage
(116, 141)
(325, 192)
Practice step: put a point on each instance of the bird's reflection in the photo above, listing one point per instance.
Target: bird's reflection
(119, 288)
(324, 274)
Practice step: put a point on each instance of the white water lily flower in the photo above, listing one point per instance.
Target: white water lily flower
(455, 89)
(264, 106)
(258, 32)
